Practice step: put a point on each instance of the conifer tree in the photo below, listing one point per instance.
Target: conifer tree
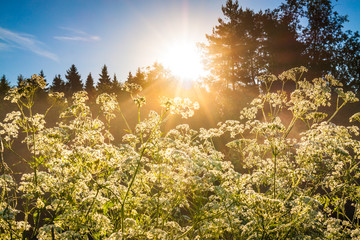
(130, 78)
(89, 86)
(4, 105)
(234, 50)
(139, 77)
(58, 85)
(74, 83)
(4, 86)
(115, 84)
(104, 84)
(41, 74)
(42, 92)
(20, 79)
(282, 48)
(157, 74)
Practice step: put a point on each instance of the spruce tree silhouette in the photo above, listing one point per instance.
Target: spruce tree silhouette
(58, 85)
(89, 86)
(74, 83)
(104, 84)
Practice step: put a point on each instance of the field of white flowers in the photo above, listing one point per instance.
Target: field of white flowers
(176, 184)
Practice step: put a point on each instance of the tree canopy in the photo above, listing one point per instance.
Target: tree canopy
(246, 44)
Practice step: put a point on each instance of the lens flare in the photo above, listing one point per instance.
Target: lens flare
(184, 61)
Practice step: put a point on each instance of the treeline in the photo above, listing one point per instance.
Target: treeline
(246, 44)
(152, 82)
(155, 74)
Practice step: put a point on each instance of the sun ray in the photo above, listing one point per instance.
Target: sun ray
(184, 61)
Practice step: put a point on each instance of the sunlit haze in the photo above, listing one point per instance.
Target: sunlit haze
(184, 61)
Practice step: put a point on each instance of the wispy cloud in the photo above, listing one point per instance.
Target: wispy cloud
(3, 46)
(10, 39)
(76, 35)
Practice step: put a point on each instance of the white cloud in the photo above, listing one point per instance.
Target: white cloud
(24, 41)
(3, 46)
(76, 35)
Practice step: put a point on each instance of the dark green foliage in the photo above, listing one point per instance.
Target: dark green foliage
(104, 84)
(309, 33)
(41, 74)
(230, 48)
(89, 86)
(58, 85)
(74, 83)
(322, 34)
(329, 49)
(130, 77)
(20, 80)
(139, 77)
(245, 44)
(349, 62)
(281, 46)
(4, 86)
(116, 86)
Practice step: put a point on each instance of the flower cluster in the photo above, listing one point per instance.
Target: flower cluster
(181, 106)
(10, 126)
(139, 101)
(299, 171)
(108, 105)
(26, 89)
(131, 87)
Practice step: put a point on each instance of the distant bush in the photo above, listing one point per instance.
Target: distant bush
(176, 185)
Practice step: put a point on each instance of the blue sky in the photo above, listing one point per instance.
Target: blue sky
(50, 35)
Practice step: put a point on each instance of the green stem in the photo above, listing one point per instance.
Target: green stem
(337, 110)
(136, 172)
(126, 123)
(141, 133)
(291, 125)
(274, 176)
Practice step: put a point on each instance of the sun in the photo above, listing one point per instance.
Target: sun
(184, 61)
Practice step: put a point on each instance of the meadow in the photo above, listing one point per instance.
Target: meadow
(298, 177)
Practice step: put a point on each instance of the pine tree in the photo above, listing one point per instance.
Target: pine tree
(20, 80)
(116, 84)
(282, 47)
(139, 77)
(58, 85)
(130, 78)
(157, 75)
(89, 86)
(41, 74)
(5, 106)
(104, 84)
(234, 51)
(4, 86)
(74, 83)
